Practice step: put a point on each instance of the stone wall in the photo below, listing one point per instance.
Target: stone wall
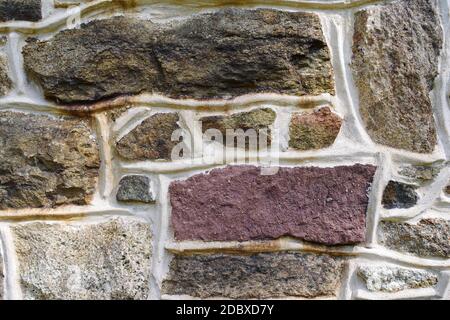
(349, 197)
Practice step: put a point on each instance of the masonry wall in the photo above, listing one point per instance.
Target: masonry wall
(99, 199)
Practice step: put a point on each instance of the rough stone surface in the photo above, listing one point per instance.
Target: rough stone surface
(237, 203)
(2, 276)
(46, 161)
(421, 172)
(259, 119)
(104, 260)
(135, 188)
(223, 54)
(393, 279)
(428, 238)
(28, 10)
(262, 275)
(396, 48)
(5, 81)
(399, 195)
(315, 130)
(151, 140)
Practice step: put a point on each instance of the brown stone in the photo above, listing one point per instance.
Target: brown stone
(237, 203)
(258, 120)
(427, 238)
(46, 161)
(221, 54)
(263, 275)
(150, 140)
(396, 49)
(28, 10)
(316, 130)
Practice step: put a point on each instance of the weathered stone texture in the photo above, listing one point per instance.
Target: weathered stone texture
(316, 130)
(223, 54)
(262, 275)
(5, 81)
(46, 161)
(2, 275)
(103, 260)
(396, 53)
(428, 238)
(135, 188)
(258, 120)
(399, 195)
(28, 10)
(150, 140)
(237, 203)
(393, 279)
(421, 172)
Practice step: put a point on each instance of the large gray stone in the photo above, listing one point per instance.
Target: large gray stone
(46, 161)
(427, 238)
(28, 10)
(222, 54)
(262, 275)
(396, 49)
(102, 260)
(393, 279)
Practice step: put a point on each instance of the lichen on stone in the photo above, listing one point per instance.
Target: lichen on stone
(427, 238)
(394, 279)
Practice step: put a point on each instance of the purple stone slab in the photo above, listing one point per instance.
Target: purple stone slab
(237, 203)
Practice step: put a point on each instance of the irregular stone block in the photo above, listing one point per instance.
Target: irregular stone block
(316, 130)
(428, 238)
(28, 10)
(46, 161)
(262, 275)
(151, 140)
(258, 120)
(2, 276)
(222, 54)
(237, 203)
(393, 279)
(399, 195)
(5, 81)
(396, 50)
(102, 260)
(421, 172)
(135, 188)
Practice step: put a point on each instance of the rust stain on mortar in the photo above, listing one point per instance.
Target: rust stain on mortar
(281, 244)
